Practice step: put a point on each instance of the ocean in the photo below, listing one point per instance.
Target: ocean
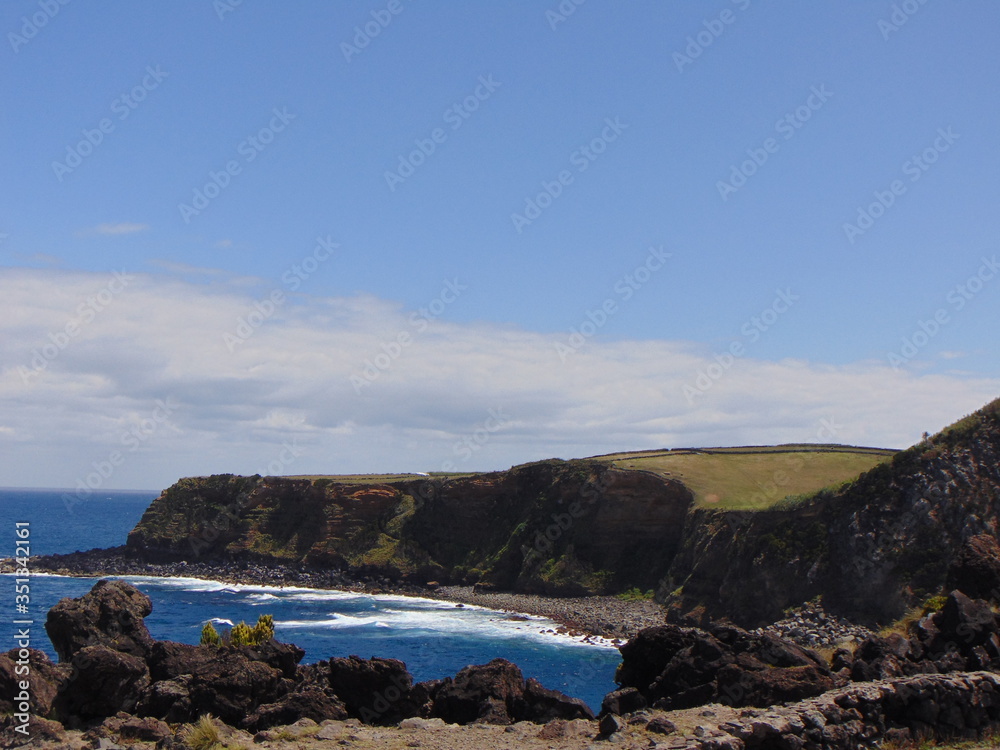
(435, 639)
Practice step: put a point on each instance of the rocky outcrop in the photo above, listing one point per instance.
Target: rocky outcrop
(976, 570)
(496, 693)
(964, 635)
(901, 710)
(556, 527)
(103, 682)
(44, 680)
(377, 691)
(110, 614)
(671, 667)
(872, 549)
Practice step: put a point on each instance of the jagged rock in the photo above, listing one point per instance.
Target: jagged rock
(772, 685)
(966, 622)
(661, 725)
(169, 660)
(486, 693)
(232, 685)
(282, 656)
(169, 700)
(610, 724)
(543, 705)
(103, 682)
(39, 730)
(377, 691)
(623, 701)
(310, 703)
(44, 679)
(976, 569)
(110, 614)
(125, 727)
(673, 667)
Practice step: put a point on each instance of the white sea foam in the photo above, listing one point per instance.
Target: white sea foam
(394, 611)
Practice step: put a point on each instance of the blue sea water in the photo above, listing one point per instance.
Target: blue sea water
(434, 638)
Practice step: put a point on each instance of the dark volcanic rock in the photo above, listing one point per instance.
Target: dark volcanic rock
(623, 701)
(44, 679)
(229, 682)
(543, 705)
(309, 703)
(976, 569)
(232, 686)
(169, 700)
(110, 614)
(377, 691)
(966, 622)
(485, 693)
(126, 727)
(673, 667)
(103, 682)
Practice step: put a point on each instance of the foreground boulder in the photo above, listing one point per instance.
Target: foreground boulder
(44, 680)
(103, 682)
(496, 693)
(376, 690)
(672, 667)
(963, 636)
(110, 614)
(306, 703)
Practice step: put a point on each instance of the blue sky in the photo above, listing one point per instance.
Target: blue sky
(707, 160)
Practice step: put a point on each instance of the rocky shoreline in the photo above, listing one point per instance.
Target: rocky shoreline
(718, 688)
(605, 617)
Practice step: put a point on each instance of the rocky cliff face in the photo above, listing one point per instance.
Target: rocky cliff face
(872, 549)
(550, 527)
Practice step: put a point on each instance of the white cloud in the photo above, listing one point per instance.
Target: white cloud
(160, 344)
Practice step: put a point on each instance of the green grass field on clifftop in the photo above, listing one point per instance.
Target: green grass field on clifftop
(754, 477)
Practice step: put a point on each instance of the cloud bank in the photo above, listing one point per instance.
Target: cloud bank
(146, 378)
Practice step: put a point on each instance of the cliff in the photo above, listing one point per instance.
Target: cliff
(872, 547)
(549, 527)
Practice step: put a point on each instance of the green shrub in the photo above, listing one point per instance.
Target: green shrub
(635, 594)
(210, 636)
(240, 634)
